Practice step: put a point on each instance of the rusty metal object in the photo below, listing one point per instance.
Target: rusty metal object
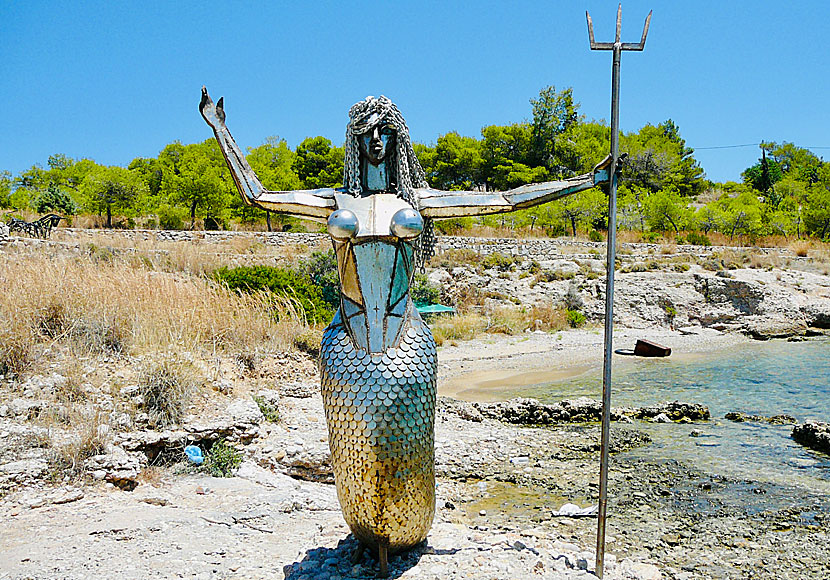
(651, 349)
(617, 47)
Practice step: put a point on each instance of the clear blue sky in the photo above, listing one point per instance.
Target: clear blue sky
(116, 80)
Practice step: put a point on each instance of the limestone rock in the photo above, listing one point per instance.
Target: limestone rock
(463, 409)
(814, 435)
(740, 417)
(767, 327)
(676, 411)
(115, 466)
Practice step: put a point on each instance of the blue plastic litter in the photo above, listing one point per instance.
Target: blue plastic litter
(194, 454)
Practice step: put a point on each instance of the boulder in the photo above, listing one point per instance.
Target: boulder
(767, 327)
(463, 409)
(814, 435)
(740, 417)
(675, 410)
(115, 466)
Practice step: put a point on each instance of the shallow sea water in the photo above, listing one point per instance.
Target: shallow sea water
(768, 378)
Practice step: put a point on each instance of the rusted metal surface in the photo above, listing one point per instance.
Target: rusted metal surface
(651, 349)
(616, 47)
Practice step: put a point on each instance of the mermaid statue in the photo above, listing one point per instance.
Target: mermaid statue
(378, 360)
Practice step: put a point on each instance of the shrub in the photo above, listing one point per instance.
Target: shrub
(171, 217)
(54, 199)
(553, 275)
(321, 269)
(697, 239)
(548, 317)
(453, 258)
(457, 327)
(422, 292)
(67, 459)
(501, 262)
(309, 342)
(279, 281)
(100, 336)
(576, 318)
(166, 387)
(15, 349)
(595, 236)
(222, 459)
(268, 408)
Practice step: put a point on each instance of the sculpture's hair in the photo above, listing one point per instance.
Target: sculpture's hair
(408, 173)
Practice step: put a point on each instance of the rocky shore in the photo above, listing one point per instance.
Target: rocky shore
(512, 474)
(504, 471)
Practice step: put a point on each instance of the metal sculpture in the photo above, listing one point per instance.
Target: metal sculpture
(617, 47)
(41, 228)
(378, 360)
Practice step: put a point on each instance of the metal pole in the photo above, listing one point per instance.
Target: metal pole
(609, 310)
(617, 47)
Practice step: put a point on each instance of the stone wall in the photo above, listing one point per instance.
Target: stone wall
(269, 238)
(531, 248)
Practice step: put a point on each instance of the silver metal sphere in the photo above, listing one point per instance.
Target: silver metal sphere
(342, 224)
(407, 223)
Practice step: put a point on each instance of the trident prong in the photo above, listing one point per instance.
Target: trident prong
(624, 45)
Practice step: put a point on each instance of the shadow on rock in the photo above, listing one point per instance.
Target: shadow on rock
(320, 563)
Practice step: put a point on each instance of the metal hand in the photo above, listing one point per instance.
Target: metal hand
(213, 114)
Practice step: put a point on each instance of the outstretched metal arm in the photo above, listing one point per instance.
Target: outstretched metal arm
(439, 204)
(316, 204)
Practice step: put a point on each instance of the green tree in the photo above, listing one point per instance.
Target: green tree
(196, 175)
(554, 113)
(55, 199)
(795, 162)
(763, 175)
(582, 146)
(5, 189)
(111, 189)
(273, 162)
(318, 164)
(817, 204)
(505, 150)
(658, 157)
(666, 209)
(741, 211)
(587, 207)
(457, 163)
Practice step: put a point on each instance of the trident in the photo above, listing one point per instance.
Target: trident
(617, 47)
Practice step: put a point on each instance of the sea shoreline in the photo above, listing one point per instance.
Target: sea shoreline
(510, 362)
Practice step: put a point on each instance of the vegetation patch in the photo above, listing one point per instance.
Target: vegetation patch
(281, 282)
(222, 459)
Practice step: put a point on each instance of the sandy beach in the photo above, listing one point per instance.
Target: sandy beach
(486, 369)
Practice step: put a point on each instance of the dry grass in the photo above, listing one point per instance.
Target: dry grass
(463, 326)
(764, 261)
(190, 257)
(116, 307)
(499, 320)
(166, 385)
(801, 248)
(90, 437)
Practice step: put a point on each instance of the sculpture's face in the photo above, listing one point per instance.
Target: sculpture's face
(377, 143)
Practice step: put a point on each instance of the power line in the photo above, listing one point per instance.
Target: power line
(728, 146)
(756, 145)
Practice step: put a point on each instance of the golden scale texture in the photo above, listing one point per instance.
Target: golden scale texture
(380, 412)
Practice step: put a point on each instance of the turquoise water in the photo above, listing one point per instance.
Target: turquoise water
(767, 378)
